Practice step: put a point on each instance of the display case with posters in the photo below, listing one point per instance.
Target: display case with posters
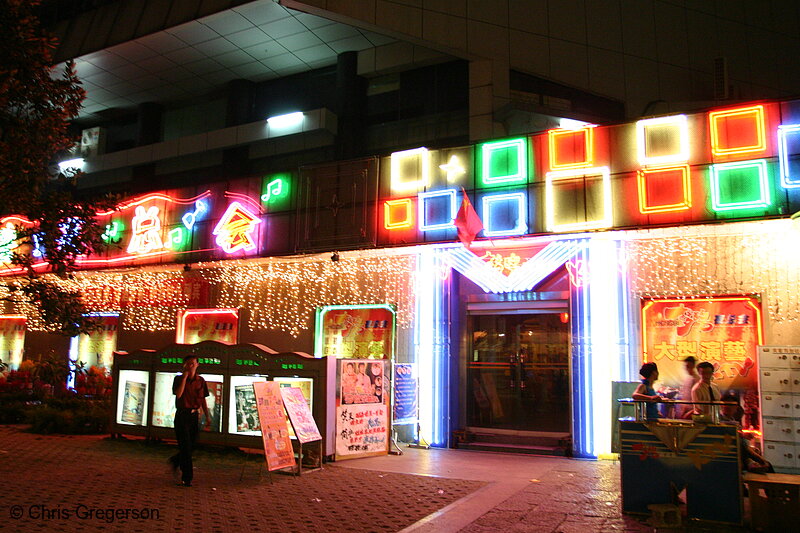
(131, 375)
(168, 363)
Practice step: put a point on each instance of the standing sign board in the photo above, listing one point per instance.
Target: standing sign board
(405, 393)
(274, 428)
(363, 422)
(300, 415)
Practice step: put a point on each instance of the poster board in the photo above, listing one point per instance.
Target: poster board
(363, 421)
(197, 325)
(405, 393)
(274, 426)
(355, 332)
(724, 331)
(305, 428)
(97, 348)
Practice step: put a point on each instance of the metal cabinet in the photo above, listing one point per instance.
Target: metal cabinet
(779, 383)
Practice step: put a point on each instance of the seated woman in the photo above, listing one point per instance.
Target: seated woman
(646, 392)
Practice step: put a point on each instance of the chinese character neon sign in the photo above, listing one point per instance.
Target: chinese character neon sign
(146, 227)
(235, 229)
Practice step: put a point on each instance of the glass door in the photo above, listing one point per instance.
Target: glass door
(518, 372)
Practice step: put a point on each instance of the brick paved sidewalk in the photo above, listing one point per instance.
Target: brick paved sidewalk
(55, 481)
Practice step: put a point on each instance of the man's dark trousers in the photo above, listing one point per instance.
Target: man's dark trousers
(186, 429)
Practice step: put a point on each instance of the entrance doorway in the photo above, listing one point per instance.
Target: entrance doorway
(518, 372)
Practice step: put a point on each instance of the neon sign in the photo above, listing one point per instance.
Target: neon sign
(512, 207)
(736, 132)
(390, 218)
(8, 241)
(427, 212)
(790, 174)
(235, 229)
(581, 184)
(453, 169)
(411, 170)
(502, 263)
(571, 148)
(504, 162)
(663, 140)
(739, 185)
(146, 227)
(190, 217)
(665, 189)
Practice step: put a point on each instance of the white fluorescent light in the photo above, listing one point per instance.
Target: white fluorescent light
(286, 121)
(71, 163)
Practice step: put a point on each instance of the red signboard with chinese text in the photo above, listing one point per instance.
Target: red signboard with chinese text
(725, 331)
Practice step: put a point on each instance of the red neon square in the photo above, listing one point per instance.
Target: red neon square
(570, 148)
(664, 190)
(738, 131)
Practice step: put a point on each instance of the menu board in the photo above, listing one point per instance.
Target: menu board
(362, 408)
(300, 415)
(274, 428)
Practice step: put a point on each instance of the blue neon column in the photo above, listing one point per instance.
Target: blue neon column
(432, 344)
(601, 345)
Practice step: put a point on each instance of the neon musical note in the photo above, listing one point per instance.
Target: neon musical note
(174, 238)
(274, 188)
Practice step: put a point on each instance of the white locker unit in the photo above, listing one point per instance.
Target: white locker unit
(779, 383)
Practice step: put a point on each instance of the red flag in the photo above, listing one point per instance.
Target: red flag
(467, 221)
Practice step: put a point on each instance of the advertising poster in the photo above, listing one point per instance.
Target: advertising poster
(247, 418)
(356, 332)
(164, 400)
(12, 340)
(214, 402)
(363, 382)
(362, 429)
(405, 393)
(197, 325)
(363, 420)
(97, 348)
(274, 426)
(725, 331)
(305, 428)
(306, 386)
(133, 402)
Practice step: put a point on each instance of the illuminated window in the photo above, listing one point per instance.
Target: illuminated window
(437, 209)
(578, 199)
(505, 214)
(736, 132)
(411, 170)
(398, 214)
(570, 149)
(663, 140)
(739, 185)
(235, 229)
(504, 162)
(789, 155)
(664, 189)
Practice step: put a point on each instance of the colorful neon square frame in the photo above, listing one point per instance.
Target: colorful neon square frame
(520, 176)
(788, 181)
(422, 198)
(644, 206)
(717, 171)
(391, 206)
(521, 200)
(398, 183)
(757, 113)
(552, 143)
(677, 122)
(552, 177)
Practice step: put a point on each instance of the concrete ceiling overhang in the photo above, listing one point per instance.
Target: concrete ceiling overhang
(257, 41)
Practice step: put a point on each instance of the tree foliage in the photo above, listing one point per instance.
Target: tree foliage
(36, 106)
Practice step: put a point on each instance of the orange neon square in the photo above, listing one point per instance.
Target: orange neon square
(737, 132)
(398, 214)
(570, 148)
(665, 189)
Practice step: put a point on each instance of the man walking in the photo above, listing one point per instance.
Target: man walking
(190, 391)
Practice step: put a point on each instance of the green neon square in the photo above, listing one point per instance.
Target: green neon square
(503, 162)
(740, 185)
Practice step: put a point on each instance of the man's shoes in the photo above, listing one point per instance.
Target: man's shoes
(184, 484)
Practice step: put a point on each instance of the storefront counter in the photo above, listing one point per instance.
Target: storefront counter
(660, 458)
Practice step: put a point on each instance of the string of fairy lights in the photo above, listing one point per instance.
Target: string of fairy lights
(280, 294)
(738, 258)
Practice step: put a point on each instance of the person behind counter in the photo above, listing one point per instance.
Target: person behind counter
(704, 390)
(731, 414)
(645, 391)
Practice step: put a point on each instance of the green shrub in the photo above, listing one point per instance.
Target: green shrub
(70, 416)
